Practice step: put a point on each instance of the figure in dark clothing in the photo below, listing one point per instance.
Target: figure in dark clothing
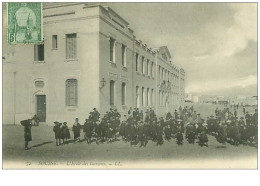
(141, 136)
(203, 139)
(57, 132)
(191, 133)
(65, 133)
(159, 134)
(235, 113)
(27, 132)
(76, 130)
(179, 136)
(88, 128)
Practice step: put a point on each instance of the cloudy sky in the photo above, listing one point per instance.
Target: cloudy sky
(216, 43)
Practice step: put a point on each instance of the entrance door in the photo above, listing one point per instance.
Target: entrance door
(41, 107)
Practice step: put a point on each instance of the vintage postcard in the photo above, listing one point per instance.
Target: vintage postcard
(130, 86)
(24, 22)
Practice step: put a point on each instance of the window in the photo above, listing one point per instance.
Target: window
(39, 52)
(147, 67)
(54, 41)
(159, 71)
(112, 49)
(123, 55)
(39, 84)
(71, 46)
(143, 96)
(71, 92)
(112, 93)
(147, 97)
(137, 62)
(123, 93)
(137, 97)
(161, 74)
(160, 97)
(143, 65)
(152, 97)
(151, 73)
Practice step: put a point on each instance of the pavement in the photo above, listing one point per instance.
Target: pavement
(45, 154)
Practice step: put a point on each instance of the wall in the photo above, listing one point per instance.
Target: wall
(114, 70)
(56, 69)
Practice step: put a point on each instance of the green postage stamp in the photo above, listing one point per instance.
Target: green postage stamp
(25, 23)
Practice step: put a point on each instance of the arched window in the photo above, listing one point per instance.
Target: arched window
(123, 93)
(71, 92)
(112, 92)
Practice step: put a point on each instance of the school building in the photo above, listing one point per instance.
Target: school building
(90, 58)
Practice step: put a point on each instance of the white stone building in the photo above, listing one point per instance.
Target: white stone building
(90, 58)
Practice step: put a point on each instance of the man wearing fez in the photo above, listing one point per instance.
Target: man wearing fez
(27, 132)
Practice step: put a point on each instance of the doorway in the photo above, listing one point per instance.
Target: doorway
(41, 107)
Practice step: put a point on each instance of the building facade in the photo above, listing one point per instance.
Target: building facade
(90, 58)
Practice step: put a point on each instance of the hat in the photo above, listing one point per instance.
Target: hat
(212, 116)
(56, 122)
(65, 123)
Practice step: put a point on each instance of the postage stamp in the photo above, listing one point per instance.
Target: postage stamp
(25, 23)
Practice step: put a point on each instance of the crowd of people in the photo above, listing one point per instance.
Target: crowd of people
(139, 128)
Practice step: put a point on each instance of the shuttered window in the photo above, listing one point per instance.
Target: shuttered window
(71, 92)
(71, 46)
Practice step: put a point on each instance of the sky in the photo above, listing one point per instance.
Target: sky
(215, 43)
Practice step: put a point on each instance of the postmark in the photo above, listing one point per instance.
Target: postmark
(25, 23)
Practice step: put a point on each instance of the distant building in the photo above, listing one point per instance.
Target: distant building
(90, 58)
(243, 100)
